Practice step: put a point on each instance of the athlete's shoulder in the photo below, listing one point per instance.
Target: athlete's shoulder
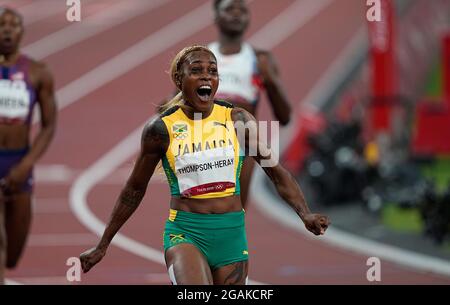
(33, 63)
(155, 135)
(38, 70)
(223, 103)
(241, 115)
(169, 111)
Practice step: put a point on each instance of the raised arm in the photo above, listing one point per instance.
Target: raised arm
(278, 99)
(286, 185)
(154, 143)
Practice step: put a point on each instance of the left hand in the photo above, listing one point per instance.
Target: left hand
(266, 68)
(17, 176)
(316, 223)
(91, 257)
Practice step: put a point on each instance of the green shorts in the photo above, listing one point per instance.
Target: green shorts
(220, 237)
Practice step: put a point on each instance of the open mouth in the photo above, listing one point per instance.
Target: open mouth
(204, 93)
(7, 41)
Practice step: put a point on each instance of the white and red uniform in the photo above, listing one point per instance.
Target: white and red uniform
(238, 73)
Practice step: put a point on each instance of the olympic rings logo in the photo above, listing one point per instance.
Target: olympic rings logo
(180, 135)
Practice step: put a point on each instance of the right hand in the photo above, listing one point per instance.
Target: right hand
(91, 257)
(316, 223)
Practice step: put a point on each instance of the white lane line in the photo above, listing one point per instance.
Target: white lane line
(90, 26)
(54, 173)
(287, 22)
(101, 169)
(61, 240)
(273, 208)
(154, 44)
(12, 282)
(62, 174)
(42, 9)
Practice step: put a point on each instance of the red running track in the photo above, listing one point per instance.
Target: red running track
(99, 120)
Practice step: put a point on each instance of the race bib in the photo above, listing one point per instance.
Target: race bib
(14, 99)
(207, 171)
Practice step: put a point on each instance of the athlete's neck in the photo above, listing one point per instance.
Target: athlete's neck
(230, 44)
(9, 59)
(194, 114)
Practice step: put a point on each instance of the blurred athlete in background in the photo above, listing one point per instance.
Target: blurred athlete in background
(245, 72)
(24, 83)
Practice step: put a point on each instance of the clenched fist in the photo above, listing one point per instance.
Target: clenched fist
(90, 258)
(316, 223)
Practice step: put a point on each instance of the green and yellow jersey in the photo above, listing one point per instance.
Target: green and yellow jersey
(204, 158)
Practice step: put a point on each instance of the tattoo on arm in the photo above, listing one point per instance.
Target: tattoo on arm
(155, 140)
(131, 197)
(243, 121)
(155, 137)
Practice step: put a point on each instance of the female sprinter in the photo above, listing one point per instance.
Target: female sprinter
(24, 83)
(200, 141)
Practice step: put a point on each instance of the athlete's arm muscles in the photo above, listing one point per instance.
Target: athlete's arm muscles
(285, 183)
(272, 83)
(154, 143)
(47, 107)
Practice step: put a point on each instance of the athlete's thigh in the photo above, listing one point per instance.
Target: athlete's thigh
(187, 265)
(17, 225)
(232, 274)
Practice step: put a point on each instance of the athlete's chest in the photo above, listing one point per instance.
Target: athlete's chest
(16, 94)
(201, 137)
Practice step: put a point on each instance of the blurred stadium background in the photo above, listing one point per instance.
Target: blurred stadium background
(369, 140)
